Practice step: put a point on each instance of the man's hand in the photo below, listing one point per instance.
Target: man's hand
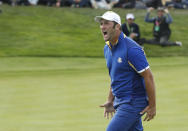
(166, 11)
(150, 113)
(133, 35)
(108, 109)
(150, 9)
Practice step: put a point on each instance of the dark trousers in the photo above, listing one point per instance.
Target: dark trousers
(163, 41)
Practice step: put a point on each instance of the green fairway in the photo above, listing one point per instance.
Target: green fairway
(63, 94)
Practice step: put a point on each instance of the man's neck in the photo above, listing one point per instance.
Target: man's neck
(115, 39)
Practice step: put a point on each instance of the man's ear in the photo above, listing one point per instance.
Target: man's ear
(118, 26)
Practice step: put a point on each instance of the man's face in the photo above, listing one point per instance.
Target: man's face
(160, 13)
(130, 21)
(107, 29)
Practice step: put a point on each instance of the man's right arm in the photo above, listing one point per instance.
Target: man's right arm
(110, 96)
(147, 19)
(108, 106)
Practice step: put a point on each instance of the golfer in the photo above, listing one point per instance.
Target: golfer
(132, 91)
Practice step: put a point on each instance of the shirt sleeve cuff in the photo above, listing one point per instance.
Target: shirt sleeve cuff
(143, 69)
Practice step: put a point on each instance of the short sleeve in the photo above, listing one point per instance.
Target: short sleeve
(137, 59)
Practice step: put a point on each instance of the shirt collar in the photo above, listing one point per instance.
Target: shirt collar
(121, 36)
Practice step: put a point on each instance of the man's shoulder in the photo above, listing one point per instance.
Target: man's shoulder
(124, 25)
(107, 45)
(135, 25)
(131, 43)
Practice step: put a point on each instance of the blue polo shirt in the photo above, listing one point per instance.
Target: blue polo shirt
(125, 61)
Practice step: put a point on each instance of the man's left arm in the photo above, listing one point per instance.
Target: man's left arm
(150, 89)
(138, 61)
(169, 17)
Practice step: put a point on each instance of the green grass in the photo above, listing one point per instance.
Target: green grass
(50, 31)
(63, 94)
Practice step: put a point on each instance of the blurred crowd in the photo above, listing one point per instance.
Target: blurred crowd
(102, 4)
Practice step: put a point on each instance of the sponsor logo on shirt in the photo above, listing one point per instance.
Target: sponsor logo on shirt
(119, 60)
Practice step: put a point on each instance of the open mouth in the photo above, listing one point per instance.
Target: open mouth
(105, 33)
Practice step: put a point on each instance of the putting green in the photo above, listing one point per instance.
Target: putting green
(63, 94)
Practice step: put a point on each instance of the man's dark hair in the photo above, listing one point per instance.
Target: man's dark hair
(115, 23)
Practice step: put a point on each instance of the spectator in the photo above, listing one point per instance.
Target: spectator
(100, 4)
(66, 3)
(185, 3)
(129, 4)
(161, 29)
(14, 2)
(153, 3)
(103, 4)
(165, 1)
(17, 2)
(48, 2)
(80, 3)
(131, 29)
(58, 3)
(180, 4)
(140, 4)
(33, 2)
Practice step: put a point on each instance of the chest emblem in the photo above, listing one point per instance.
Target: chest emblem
(119, 60)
